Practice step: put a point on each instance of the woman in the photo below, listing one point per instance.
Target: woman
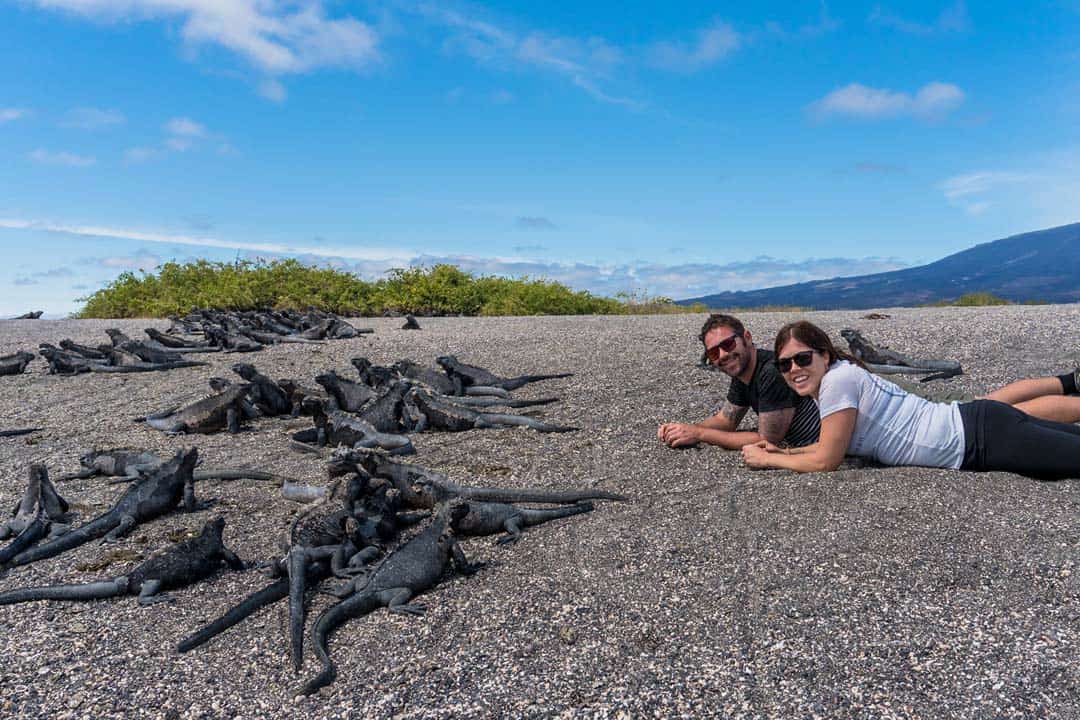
(865, 415)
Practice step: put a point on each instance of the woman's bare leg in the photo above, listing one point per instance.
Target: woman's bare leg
(1059, 408)
(1022, 391)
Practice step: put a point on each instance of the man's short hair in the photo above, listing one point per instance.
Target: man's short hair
(721, 320)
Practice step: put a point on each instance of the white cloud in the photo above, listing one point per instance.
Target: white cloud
(9, 114)
(712, 44)
(371, 253)
(185, 127)
(932, 100)
(273, 90)
(88, 118)
(140, 154)
(46, 157)
(141, 260)
(276, 37)
(953, 18)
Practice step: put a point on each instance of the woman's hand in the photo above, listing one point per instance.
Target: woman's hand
(756, 455)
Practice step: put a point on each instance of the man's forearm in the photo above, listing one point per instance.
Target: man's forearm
(728, 439)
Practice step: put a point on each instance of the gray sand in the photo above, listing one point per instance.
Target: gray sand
(717, 591)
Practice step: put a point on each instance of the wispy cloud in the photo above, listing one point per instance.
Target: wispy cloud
(712, 44)
(972, 192)
(953, 19)
(185, 127)
(933, 100)
(275, 37)
(9, 114)
(534, 223)
(88, 118)
(94, 231)
(140, 154)
(47, 157)
(273, 90)
(141, 260)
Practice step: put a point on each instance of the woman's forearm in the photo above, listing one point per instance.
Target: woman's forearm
(811, 458)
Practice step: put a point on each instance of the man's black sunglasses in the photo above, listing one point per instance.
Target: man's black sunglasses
(727, 345)
(802, 359)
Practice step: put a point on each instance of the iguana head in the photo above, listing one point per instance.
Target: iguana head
(446, 361)
(244, 370)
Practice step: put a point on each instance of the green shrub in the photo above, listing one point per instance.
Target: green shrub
(177, 289)
(974, 299)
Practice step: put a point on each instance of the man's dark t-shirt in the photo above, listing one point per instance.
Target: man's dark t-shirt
(767, 391)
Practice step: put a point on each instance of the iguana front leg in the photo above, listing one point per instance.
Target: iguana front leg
(461, 563)
(122, 528)
(232, 420)
(513, 531)
(149, 594)
(397, 601)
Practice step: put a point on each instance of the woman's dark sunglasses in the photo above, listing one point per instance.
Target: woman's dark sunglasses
(802, 359)
(727, 345)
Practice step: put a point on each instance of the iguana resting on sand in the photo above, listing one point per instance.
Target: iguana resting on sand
(298, 392)
(38, 514)
(472, 375)
(230, 342)
(405, 573)
(410, 323)
(443, 384)
(265, 394)
(19, 431)
(32, 315)
(182, 564)
(486, 518)
(348, 395)
(335, 428)
(85, 351)
(375, 376)
(217, 412)
(429, 412)
(146, 499)
(179, 344)
(884, 361)
(409, 478)
(62, 362)
(16, 363)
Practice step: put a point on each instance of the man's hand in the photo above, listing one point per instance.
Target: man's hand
(679, 434)
(756, 455)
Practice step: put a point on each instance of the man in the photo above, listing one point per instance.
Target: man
(784, 418)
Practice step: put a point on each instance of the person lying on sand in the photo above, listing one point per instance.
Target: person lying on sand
(788, 420)
(865, 415)
(784, 417)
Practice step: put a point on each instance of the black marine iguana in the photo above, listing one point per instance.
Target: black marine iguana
(350, 396)
(473, 375)
(884, 361)
(334, 427)
(410, 323)
(38, 514)
(266, 394)
(179, 344)
(405, 573)
(32, 315)
(486, 518)
(376, 376)
(15, 363)
(182, 564)
(217, 412)
(429, 412)
(19, 431)
(147, 498)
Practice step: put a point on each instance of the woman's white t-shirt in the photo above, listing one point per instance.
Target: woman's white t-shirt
(892, 426)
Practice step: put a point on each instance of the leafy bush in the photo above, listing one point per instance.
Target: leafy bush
(975, 299)
(440, 290)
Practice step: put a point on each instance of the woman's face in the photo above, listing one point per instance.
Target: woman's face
(804, 379)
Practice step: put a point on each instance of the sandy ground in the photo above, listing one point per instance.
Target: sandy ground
(716, 591)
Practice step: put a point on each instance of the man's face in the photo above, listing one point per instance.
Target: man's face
(731, 362)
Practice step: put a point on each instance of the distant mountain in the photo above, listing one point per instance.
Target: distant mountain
(1042, 265)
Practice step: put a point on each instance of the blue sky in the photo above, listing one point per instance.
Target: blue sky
(653, 147)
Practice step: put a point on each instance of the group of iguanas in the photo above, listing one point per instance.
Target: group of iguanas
(387, 530)
(199, 331)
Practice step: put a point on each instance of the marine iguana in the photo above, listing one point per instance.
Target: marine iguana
(350, 396)
(16, 363)
(247, 407)
(298, 392)
(376, 376)
(407, 479)
(38, 514)
(84, 350)
(487, 518)
(885, 361)
(147, 498)
(230, 342)
(180, 344)
(127, 464)
(217, 412)
(429, 412)
(410, 570)
(473, 375)
(266, 394)
(19, 431)
(146, 352)
(32, 315)
(62, 362)
(410, 323)
(183, 564)
(337, 428)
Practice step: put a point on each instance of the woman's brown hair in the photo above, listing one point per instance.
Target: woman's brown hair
(814, 338)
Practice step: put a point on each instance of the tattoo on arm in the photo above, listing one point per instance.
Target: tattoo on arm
(773, 426)
(732, 413)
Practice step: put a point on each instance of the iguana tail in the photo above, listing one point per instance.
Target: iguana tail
(271, 593)
(497, 419)
(535, 517)
(98, 527)
(88, 591)
(21, 431)
(296, 562)
(554, 497)
(359, 604)
(515, 383)
(30, 535)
